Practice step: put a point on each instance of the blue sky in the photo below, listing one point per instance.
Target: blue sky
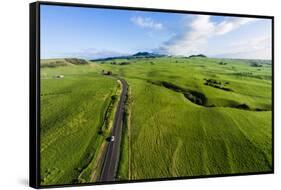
(96, 33)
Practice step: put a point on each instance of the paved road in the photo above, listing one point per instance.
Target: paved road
(110, 163)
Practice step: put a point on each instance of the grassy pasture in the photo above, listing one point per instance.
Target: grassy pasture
(72, 112)
(165, 134)
(176, 137)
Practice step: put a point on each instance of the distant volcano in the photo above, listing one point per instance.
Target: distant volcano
(199, 55)
(146, 54)
(136, 55)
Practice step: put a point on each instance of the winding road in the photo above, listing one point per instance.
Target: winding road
(111, 160)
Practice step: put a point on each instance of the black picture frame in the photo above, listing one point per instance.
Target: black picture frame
(34, 90)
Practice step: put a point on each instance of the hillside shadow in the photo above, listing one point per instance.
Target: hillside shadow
(199, 98)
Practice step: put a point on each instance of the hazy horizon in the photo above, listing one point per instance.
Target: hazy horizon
(149, 52)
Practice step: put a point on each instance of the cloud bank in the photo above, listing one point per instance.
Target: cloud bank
(250, 49)
(146, 22)
(197, 33)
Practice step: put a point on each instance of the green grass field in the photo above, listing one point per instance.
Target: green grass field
(72, 114)
(185, 117)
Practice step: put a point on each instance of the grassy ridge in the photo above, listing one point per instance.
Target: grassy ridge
(93, 170)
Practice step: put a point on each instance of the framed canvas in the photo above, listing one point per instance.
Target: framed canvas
(126, 94)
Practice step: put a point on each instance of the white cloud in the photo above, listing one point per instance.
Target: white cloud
(255, 48)
(201, 28)
(146, 22)
(231, 24)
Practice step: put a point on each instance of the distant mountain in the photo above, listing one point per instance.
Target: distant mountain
(141, 54)
(147, 54)
(136, 55)
(199, 55)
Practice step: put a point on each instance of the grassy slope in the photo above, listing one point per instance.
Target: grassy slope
(166, 131)
(178, 138)
(72, 109)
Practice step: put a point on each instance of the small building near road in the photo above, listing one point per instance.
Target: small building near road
(106, 72)
(59, 76)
